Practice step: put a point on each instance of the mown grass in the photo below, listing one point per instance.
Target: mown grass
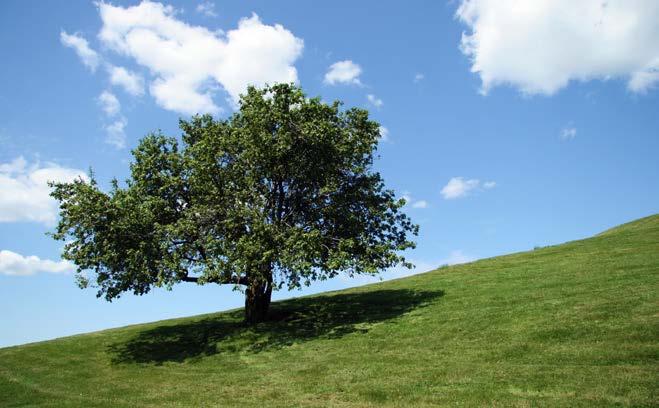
(569, 325)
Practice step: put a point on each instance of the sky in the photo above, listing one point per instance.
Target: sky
(506, 125)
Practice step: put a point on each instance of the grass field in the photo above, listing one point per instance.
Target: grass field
(575, 324)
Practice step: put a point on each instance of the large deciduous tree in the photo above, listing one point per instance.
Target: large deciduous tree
(278, 195)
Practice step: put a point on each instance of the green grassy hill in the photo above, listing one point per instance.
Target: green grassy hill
(568, 325)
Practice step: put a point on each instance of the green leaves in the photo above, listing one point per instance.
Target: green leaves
(282, 191)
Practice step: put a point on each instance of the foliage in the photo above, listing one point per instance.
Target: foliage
(280, 194)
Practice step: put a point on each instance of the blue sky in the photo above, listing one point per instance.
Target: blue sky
(508, 126)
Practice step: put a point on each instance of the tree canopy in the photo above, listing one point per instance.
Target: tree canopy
(279, 194)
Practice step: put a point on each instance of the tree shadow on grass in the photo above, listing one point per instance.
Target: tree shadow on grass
(291, 321)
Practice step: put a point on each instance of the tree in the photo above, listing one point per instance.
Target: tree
(280, 194)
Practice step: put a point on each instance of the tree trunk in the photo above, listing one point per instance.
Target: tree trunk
(257, 301)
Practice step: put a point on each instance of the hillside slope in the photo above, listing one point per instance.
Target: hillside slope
(568, 325)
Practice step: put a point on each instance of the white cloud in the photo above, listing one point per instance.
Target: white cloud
(80, 45)
(12, 263)
(458, 187)
(645, 80)
(116, 134)
(418, 77)
(374, 100)
(384, 134)
(109, 103)
(17, 165)
(343, 72)
(131, 82)
(24, 191)
(420, 204)
(206, 8)
(568, 133)
(540, 46)
(188, 62)
(116, 130)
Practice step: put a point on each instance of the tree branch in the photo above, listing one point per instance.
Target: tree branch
(236, 280)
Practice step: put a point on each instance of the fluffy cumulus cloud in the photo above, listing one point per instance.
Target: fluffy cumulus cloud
(458, 187)
(24, 191)
(130, 81)
(343, 72)
(79, 44)
(188, 62)
(109, 103)
(115, 129)
(12, 263)
(539, 46)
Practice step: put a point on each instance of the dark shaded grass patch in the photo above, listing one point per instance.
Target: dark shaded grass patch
(293, 321)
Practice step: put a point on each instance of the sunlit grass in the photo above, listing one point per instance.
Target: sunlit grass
(569, 325)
